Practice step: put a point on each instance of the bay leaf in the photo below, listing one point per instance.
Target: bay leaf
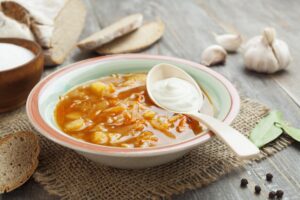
(291, 131)
(266, 131)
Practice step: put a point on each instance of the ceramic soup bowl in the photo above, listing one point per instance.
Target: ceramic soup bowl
(44, 97)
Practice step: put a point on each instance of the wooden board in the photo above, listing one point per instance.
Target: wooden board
(189, 28)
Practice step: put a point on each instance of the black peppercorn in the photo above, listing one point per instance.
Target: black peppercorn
(279, 194)
(257, 189)
(244, 182)
(269, 176)
(272, 195)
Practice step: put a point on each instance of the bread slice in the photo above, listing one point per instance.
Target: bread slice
(38, 15)
(18, 159)
(68, 27)
(136, 41)
(11, 28)
(117, 29)
(56, 24)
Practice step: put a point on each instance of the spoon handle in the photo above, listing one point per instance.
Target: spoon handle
(240, 145)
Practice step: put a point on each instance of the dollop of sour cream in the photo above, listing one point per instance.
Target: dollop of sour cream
(177, 94)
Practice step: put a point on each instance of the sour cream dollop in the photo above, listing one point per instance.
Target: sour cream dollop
(177, 94)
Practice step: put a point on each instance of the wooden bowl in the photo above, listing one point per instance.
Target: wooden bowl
(16, 83)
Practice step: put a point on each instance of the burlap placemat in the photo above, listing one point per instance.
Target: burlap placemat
(63, 172)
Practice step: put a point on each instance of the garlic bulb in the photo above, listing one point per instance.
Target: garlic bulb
(265, 53)
(230, 42)
(213, 55)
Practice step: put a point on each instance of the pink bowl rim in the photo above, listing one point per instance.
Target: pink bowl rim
(37, 121)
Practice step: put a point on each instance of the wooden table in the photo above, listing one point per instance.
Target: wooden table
(189, 28)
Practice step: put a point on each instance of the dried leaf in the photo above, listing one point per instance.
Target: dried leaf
(266, 131)
(291, 131)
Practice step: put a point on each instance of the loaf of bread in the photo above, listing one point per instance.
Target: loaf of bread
(109, 33)
(11, 28)
(56, 24)
(18, 159)
(136, 41)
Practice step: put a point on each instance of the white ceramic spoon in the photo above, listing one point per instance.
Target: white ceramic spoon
(240, 145)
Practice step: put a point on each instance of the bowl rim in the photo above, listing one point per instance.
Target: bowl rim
(37, 121)
(9, 40)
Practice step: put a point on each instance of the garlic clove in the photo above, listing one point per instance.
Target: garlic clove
(282, 53)
(269, 35)
(230, 42)
(213, 55)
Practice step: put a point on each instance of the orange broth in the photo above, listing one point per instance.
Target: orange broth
(117, 111)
